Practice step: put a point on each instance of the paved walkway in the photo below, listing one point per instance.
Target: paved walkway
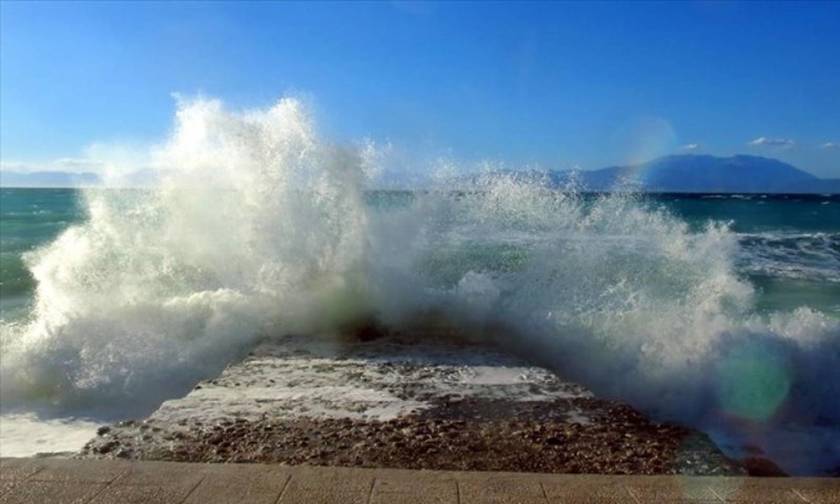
(72, 481)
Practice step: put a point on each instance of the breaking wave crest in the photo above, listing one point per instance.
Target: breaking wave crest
(254, 223)
(807, 256)
(261, 228)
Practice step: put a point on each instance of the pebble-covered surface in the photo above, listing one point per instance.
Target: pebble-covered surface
(399, 404)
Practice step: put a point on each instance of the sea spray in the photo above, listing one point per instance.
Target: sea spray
(260, 228)
(630, 301)
(254, 224)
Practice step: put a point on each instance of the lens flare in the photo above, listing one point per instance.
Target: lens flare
(753, 381)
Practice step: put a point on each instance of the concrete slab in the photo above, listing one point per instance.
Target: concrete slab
(324, 495)
(502, 486)
(499, 490)
(820, 495)
(443, 489)
(8, 484)
(384, 498)
(240, 484)
(312, 481)
(152, 483)
(52, 492)
(97, 471)
(158, 473)
(37, 481)
(670, 490)
(142, 494)
(19, 468)
(13, 471)
(581, 488)
(743, 490)
(422, 488)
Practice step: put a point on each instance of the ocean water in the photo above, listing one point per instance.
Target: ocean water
(718, 311)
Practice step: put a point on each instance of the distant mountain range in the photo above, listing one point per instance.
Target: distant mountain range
(679, 174)
(690, 174)
(48, 179)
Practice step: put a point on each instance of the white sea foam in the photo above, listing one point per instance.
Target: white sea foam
(25, 434)
(807, 256)
(321, 377)
(260, 228)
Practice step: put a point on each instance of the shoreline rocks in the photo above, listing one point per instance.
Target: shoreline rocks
(399, 404)
(620, 441)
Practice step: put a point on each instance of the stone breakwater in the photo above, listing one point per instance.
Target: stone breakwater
(400, 403)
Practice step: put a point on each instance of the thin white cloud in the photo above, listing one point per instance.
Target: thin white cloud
(781, 143)
(115, 164)
(830, 145)
(691, 147)
(12, 166)
(67, 165)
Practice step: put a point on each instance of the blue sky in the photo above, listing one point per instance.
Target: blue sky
(558, 85)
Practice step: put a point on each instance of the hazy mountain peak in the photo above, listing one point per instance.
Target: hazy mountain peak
(707, 173)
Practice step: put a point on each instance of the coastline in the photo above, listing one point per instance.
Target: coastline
(404, 404)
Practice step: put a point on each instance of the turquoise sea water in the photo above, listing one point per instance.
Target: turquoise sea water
(29, 218)
(789, 245)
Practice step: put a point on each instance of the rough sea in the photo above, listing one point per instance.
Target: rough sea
(718, 311)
